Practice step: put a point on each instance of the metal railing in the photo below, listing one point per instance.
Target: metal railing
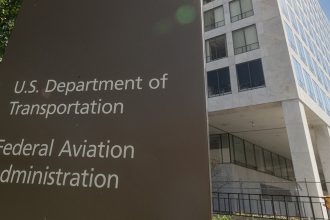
(242, 16)
(269, 206)
(216, 56)
(246, 48)
(214, 25)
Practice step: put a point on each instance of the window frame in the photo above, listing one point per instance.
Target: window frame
(250, 88)
(242, 14)
(245, 43)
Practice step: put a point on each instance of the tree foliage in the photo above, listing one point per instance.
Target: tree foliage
(8, 11)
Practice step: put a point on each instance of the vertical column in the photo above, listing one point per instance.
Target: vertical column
(322, 135)
(302, 152)
(303, 157)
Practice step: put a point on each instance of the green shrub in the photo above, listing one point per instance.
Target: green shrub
(8, 11)
(221, 217)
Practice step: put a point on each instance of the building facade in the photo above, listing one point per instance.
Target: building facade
(268, 80)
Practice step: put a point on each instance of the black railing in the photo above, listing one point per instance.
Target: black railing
(246, 48)
(269, 206)
(214, 25)
(216, 56)
(242, 16)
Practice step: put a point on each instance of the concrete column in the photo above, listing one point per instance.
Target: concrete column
(322, 136)
(303, 157)
(302, 152)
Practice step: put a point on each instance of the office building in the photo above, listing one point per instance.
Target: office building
(268, 79)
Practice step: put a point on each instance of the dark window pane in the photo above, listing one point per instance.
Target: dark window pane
(212, 82)
(283, 168)
(216, 152)
(216, 48)
(224, 80)
(250, 157)
(290, 169)
(218, 82)
(215, 142)
(207, 1)
(239, 151)
(268, 161)
(256, 72)
(225, 148)
(276, 164)
(250, 75)
(260, 159)
(243, 76)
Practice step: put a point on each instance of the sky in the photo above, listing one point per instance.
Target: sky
(325, 4)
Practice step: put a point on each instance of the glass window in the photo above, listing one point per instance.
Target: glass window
(216, 48)
(239, 151)
(225, 148)
(298, 73)
(283, 8)
(290, 37)
(276, 165)
(218, 82)
(260, 159)
(215, 146)
(293, 19)
(215, 142)
(207, 1)
(301, 51)
(214, 18)
(268, 161)
(240, 9)
(283, 168)
(250, 75)
(245, 39)
(290, 169)
(309, 85)
(250, 155)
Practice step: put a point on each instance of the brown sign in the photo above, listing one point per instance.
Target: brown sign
(103, 112)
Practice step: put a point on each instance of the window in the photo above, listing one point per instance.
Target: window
(284, 171)
(207, 1)
(276, 165)
(299, 74)
(225, 148)
(260, 159)
(240, 9)
(245, 39)
(250, 155)
(215, 146)
(301, 51)
(214, 18)
(215, 142)
(290, 37)
(216, 48)
(218, 82)
(239, 151)
(290, 169)
(268, 162)
(309, 84)
(250, 75)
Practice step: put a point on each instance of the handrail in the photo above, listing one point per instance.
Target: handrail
(242, 16)
(214, 25)
(246, 48)
(254, 205)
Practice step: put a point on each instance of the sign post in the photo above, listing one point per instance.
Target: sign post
(103, 112)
